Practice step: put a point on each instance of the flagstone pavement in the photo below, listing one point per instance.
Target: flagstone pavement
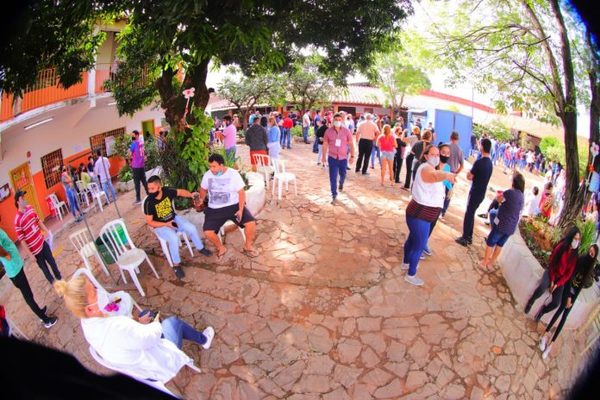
(324, 311)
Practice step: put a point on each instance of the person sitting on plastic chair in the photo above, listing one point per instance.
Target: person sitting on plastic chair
(141, 346)
(161, 216)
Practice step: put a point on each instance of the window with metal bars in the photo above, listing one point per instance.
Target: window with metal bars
(51, 163)
(98, 142)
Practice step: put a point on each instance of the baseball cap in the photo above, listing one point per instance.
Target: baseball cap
(18, 195)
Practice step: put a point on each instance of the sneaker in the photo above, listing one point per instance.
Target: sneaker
(528, 307)
(546, 352)
(405, 266)
(487, 222)
(422, 257)
(543, 343)
(50, 322)
(413, 280)
(427, 251)
(484, 215)
(210, 334)
(179, 272)
(205, 252)
(462, 241)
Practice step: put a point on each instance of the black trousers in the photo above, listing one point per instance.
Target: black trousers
(365, 146)
(541, 289)
(45, 257)
(20, 281)
(562, 312)
(139, 175)
(469, 219)
(409, 163)
(397, 165)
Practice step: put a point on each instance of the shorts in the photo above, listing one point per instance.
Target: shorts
(215, 218)
(496, 238)
(387, 155)
(253, 152)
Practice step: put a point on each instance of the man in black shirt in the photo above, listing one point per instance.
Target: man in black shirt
(160, 215)
(480, 174)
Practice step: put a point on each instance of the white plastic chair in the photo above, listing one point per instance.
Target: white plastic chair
(86, 248)
(97, 194)
(126, 255)
(58, 205)
(163, 243)
(282, 177)
(84, 192)
(263, 166)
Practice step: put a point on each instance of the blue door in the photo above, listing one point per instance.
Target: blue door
(464, 126)
(443, 125)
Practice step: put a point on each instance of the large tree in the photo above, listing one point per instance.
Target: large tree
(306, 85)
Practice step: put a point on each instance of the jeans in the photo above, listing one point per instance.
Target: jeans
(230, 153)
(109, 189)
(542, 287)
(562, 311)
(73, 204)
(305, 134)
(286, 137)
(446, 203)
(409, 165)
(469, 219)
(45, 258)
(170, 235)
(20, 281)
(139, 176)
(336, 167)
(365, 149)
(375, 151)
(397, 165)
(175, 330)
(316, 142)
(319, 153)
(416, 242)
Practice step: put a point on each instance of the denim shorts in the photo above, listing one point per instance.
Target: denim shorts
(496, 238)
(387, 155)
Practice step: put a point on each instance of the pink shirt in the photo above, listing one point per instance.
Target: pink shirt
(339, 152)
(387, 143)
(229, 134)
(367, 130)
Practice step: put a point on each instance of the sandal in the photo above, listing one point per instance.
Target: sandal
(221, 254)
(250, 253)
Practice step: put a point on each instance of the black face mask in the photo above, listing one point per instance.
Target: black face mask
(153, 195)
(444, 159)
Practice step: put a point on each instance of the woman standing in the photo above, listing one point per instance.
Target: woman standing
(560, 269)
(387, 144)
(13, 266)
(505, 223)
(424, 208)
(400, 148)
(546, 201)
(323, 125)
(69, 186)
(445, 167)
(274, 134)
(583, 272)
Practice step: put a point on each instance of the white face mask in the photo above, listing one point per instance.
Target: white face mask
(434, 161)
(574, 244)
(337, 124)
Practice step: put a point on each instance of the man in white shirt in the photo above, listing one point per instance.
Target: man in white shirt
(226, 202)
(102, 171)
(305, 126)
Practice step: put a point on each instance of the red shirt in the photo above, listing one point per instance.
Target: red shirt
(27, 226)
(288, 123)
(342, 138)
(561, 269)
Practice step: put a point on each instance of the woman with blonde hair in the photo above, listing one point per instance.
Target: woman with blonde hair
(142, 346)
(387, 144)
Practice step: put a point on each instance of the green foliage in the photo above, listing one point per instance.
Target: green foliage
(152, 153)
(588, 232)
(297, 131)
(185, 157)
(306, 86)
(230, 160)
(121, 146)
(125, 174)
(547, 142)
(495, 129)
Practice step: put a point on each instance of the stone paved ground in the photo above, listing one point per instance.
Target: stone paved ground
(324, 312)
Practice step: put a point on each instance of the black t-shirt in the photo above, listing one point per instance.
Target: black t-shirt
(418, 148)
(321, 133)
(482, 172)
(161, 210)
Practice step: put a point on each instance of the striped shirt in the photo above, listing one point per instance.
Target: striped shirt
(27, 226)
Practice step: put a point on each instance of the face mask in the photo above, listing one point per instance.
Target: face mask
(434, 161)
(337, 124)
(575, 244)
(444, 159)
(219, 173)
(153, 195)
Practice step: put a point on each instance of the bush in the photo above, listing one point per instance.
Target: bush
(297, 131)
(125, 174)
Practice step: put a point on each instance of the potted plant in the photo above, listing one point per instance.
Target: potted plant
(125, 183)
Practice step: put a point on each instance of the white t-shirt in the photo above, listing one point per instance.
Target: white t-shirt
(223, 190)
(305, 120)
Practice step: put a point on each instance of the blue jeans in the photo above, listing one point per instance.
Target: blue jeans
(305, 134)
(175, 330)
(336, 167)
(109, 189)
(286, 137)
(316, 142)
(375, 151)
(416, 242)
(319, 152)
(230, 153)
(73, 204)
(170, 235)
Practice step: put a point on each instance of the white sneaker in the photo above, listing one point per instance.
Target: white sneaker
(547, 351)
(413, 280)
(210, 334)
(405, 266)
(543, 343)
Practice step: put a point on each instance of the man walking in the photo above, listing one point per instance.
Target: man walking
(160, 215)
(256, 138)
(335, 144)
(137, 165)
(32, 232)
(366, 133)
(102, 171)
(480, 174)
(317, 122)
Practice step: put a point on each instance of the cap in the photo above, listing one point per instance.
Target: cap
(18, 195)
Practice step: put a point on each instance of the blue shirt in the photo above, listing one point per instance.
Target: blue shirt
(447, 183)
(510, 210)
(482, 172)
(273, 135)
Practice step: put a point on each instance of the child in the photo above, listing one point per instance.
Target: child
(532, 202)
